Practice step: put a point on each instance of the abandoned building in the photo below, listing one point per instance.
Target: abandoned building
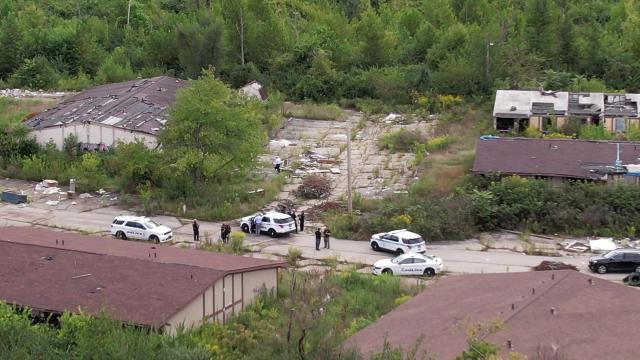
(140, 284)
(558, 159)
(560, 314)
(255, 89)
(516, 110)
(103, 115)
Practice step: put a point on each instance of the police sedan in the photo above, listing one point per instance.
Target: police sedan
(409, 264)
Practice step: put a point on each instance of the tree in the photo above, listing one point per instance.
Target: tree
(375, 46)
(10, 43)
(199, 44)
(212, 131)
(35, 73)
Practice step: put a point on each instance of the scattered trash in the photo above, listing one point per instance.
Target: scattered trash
(50, 183)
(577, 246)
(553, 265)
(335, 170)
(101, 191)
(52, 202)
(113, 198)
(632, 279)
(51, 190)
(392, 117)
(85, 196)
(282, 143)
(256, 191)
(401, 192)
(74, 203)
(11, 197)
(602, 244)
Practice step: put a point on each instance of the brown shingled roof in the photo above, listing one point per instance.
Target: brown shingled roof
(135, 249)
(578, 159)
(591, 321)
(136, 105)
(134, 282)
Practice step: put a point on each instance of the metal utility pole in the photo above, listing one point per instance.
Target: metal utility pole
(349, 198)
(128, 13)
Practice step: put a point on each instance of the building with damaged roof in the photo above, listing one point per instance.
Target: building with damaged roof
(516, 110)
(103, 115)
(561, 314)
(558, 159)
(141, 284)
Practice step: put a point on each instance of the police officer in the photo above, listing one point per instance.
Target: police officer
(318, 235)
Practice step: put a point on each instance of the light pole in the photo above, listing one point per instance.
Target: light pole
(349, 198)
(486, 67)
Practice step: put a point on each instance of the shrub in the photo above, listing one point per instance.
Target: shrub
(439, 143)
(313, 111)
(314, 187)
(293, 255)
(237, 242)
(36, 73)
(402, 140)
(594, 132)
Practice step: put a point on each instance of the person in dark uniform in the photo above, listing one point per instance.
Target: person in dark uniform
(295, 218)
(301, 217)
(318, 235)
(327, 233)
(196, 230)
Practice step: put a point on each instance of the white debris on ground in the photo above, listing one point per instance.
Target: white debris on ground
(20, 93)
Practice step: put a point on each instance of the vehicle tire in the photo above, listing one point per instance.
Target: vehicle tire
(272, 233)
(601, 269)
(387, 271)
(375, 246)
(154, 239)
(399, 252)
(245, 228)
(429, 272)
(634, 279)
(121, 235)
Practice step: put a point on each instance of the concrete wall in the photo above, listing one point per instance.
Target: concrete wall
(229, 295)
(91, 133)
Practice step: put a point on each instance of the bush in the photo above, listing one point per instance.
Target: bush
(293, 255)
(314, 187)
(313, 111)
(237, 242)
(439, 143)
(402, 140)
(36, 73)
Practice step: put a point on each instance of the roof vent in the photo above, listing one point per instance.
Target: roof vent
(513, 108)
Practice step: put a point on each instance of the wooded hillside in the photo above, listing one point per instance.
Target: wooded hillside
(327, 50)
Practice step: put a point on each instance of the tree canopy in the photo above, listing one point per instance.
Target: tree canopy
(325, 50)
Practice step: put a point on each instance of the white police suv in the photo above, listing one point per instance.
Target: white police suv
(273, 223)
(398, 242)
(409, 264)
(140, 227)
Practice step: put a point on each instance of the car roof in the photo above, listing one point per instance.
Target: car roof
(276, 215)
(404, 233)
(626, 250)
(131, 218)
(414, 255)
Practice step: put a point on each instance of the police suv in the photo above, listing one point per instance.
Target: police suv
(140, 227)
(273, 223)
(409, 264)
(398, 242)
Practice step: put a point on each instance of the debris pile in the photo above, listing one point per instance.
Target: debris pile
(19, 93)
(553, 265)
(310, 162)
(593, 245)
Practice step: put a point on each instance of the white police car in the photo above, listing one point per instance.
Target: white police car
(140, 227)
(273, 223)
(398, 242)
(409, 264)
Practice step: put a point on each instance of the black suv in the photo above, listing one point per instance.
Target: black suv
(616, 260)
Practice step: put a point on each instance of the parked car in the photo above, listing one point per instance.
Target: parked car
(409, 264)
(398, 242)
(622, 260)
(273, 223)
(140, 227)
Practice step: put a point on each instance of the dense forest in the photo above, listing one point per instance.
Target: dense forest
(327, 50)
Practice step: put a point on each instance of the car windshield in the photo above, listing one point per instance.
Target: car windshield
(610, 254)
(417, 240)
(283, 221)
(398, 259)
(150, 224)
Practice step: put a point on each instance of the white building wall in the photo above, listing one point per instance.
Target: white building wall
(92, 134)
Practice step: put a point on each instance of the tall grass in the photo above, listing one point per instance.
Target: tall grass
(313, 111)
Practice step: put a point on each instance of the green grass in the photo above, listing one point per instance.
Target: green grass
(313, 111)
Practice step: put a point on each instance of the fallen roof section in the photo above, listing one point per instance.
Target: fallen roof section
(136, 105)
(563, 314)
(576, 159)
